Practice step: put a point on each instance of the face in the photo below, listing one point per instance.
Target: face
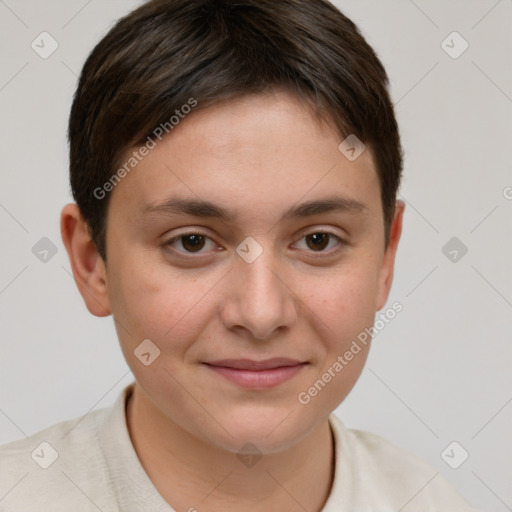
(285, 260)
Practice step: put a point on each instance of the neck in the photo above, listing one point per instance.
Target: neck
(190, 473)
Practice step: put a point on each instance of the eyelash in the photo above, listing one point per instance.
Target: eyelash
(332, 235)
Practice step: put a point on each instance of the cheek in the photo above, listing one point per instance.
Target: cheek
(158, 304)
(346, 309)
(346, 304)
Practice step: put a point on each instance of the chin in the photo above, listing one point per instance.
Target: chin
(270, 432)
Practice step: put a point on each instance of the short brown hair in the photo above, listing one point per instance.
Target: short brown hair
(167, 51)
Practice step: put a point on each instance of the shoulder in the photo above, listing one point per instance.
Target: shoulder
(386, 477)
(59, 466)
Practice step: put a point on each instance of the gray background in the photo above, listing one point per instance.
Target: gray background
(439, 372)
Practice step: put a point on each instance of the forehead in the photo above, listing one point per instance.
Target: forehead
(259, 152)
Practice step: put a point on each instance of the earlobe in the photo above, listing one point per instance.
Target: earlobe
(388, 262)
(87, 265)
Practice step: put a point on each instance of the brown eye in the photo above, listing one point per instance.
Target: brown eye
(321, 242)
(190, 243)
(193, 242)
(318, 241)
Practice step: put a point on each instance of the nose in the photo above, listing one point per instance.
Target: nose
(258, 298)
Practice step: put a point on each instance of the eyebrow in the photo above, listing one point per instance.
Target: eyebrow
(207, 209)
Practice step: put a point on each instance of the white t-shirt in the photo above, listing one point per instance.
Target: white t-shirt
(89, 464)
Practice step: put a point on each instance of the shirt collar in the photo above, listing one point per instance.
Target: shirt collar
(133, 488)
(135, 491)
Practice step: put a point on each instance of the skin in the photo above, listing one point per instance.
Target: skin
(259, 155)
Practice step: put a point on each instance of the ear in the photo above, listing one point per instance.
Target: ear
(388, 262)
(86, 263)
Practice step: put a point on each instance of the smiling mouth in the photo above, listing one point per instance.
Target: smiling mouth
(250, 364)
(257, 374)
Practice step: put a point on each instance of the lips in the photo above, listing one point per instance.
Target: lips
(257, 375)
(249, 364)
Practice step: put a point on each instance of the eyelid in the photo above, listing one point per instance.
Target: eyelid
(168, 242)
(319, 254)
(311, 230)
(305, 232)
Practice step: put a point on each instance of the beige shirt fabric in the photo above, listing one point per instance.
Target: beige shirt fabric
(89, 464)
